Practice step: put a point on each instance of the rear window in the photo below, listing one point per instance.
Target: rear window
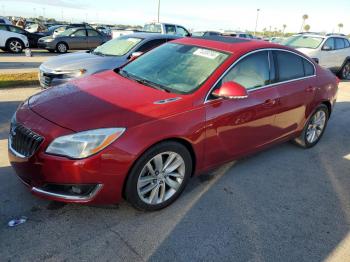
(339, 43)
(290, 66)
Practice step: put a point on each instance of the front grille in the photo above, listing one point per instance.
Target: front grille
(45, 79)
(24, 141)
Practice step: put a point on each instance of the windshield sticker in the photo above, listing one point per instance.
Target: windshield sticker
(206, 53)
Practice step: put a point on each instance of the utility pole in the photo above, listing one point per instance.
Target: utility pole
(158, 10)
(256, 21)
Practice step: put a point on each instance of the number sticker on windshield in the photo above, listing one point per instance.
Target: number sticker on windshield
(206, 53)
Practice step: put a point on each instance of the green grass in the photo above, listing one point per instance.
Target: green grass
(18, 80)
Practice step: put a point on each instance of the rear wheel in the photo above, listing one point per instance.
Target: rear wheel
(15, 46)
(61, 48)
(314, 128)
(159, 176)
(345, 71)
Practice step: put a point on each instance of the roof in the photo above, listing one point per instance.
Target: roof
(151, 36)
(229, 44)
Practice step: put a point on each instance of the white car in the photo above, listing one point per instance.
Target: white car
(164, 28)
(330, 51)
(12, 42)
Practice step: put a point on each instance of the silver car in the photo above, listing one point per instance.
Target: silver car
(110, 55)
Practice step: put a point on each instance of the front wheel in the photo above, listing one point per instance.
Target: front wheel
(61, 48)
(159, 176)
(314, 128)
(345, 71)
(15, 46)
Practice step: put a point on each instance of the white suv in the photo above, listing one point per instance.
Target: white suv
(12, 42)
(330, 51)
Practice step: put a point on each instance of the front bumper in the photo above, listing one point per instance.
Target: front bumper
(43, 173)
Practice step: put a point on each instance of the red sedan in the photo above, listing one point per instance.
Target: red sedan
(140, 132)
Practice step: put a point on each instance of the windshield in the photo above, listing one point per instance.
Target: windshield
(302, 41)
(198, 33)
(117, 47)
(154, 28)
(68, 32)
(174, 67)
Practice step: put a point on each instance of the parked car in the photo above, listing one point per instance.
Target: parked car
(110, 55)
(104, 29)
(330, 51)
(143, 130)
(12, 42)
(32, 37)
(164, 28)
(237, 34)
(73, 39)
(276, 39)
(205, 33)
(4, 20)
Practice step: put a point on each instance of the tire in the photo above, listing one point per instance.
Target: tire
(345, 71)
(14, 45)
(152, 179)
(61, 48)
(51, 50)
(307, 139)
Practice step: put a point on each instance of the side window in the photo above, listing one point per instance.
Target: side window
(79, 33)
(92, 33)
(3, 27)
(329, 44)
(170, 29)
(347, 44)
(16, 30)
(182, 31)
(339, 43)
(289, 66)
(308, 68)
(251, 72)
(150, 45)
(2, 21)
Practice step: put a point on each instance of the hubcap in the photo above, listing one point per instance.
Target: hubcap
(15, 46)
(346, 71)
(62, 48)
(161, 178)
(316, 126)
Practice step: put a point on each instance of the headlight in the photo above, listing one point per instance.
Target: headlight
(84, 144)
(49, 40)
(71, 73)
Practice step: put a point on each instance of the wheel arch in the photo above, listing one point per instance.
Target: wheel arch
(179, 140)
(14, 38)
(347, 59)
(329, 106)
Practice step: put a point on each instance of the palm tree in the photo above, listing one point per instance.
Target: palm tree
(305, 17)
(340, 26)
(284, 28)
(307, 28)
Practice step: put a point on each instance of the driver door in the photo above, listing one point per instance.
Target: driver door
(78, 40)
(236, 127)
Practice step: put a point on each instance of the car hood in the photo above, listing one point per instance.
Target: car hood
(83, 60)
(307, 51)
(105, 100)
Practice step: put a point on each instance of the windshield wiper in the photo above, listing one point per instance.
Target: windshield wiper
(143, 81)
(98, 53)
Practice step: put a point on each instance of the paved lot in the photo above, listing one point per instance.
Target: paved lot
(283, 204)
(19, 63)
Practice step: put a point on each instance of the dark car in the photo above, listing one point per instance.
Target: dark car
(73, 39)
(32, 37)
(143, 130)
(110, 55)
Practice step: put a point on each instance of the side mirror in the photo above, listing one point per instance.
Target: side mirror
(231, 90)
(135, 55)
(327, 48)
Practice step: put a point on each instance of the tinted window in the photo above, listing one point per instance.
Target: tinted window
(347, 44)
(79, 33)
(308, 68)
(3, 27)
(150, 45)
(329, 43)
(2, 21)
(289, 66)
(182, 31)
(251, 72)
(16, 30)
(339, 43)
(170, 29)
(93, 33)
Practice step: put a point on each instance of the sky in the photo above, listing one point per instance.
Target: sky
(193, 14)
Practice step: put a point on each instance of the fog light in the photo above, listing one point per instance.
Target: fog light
(76, 190)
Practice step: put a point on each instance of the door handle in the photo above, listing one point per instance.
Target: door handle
(310, 89)
(270, 102)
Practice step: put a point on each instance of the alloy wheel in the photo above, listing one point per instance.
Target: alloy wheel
(161, 178)
(62, 48)
(316, 126)
(15, 46)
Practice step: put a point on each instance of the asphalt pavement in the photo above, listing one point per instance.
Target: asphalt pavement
(282, 204)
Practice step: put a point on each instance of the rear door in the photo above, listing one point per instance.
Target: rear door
(296, 85)
(238, 126)
(78, 40)
(94, 38)
(342, 52)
